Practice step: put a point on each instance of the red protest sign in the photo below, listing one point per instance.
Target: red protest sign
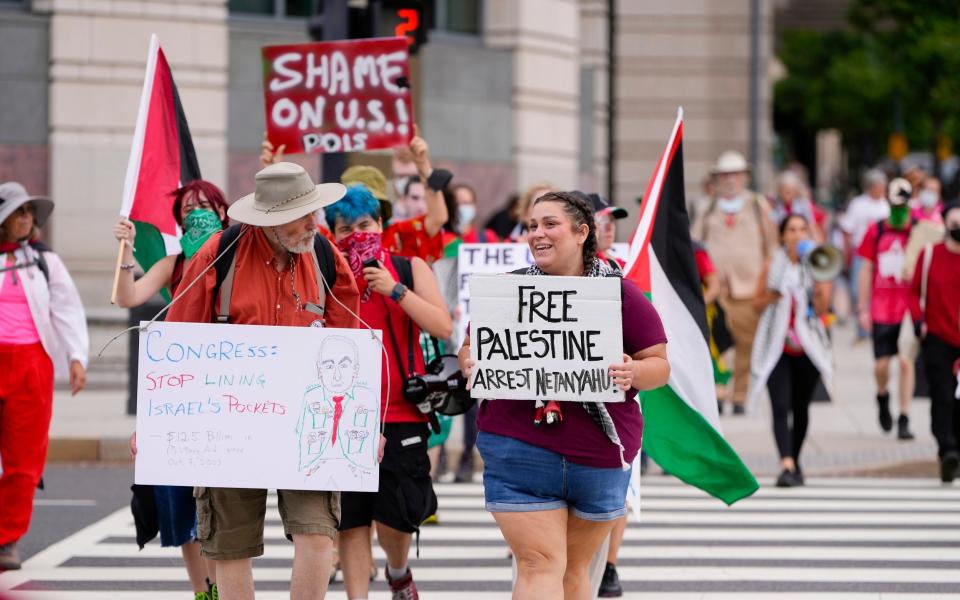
(342, 96)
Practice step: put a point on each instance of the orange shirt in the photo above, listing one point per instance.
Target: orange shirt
(261, 294)
(409, 238)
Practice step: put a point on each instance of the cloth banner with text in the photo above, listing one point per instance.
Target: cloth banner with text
(252, 406)
(546, 338)
(342, 96)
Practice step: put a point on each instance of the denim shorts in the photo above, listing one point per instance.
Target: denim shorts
(176, 514)
(520, 477)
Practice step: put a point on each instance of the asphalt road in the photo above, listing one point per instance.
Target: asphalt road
(74, 496)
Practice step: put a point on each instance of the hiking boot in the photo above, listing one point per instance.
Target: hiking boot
(948, 466)
(610, 584)
(903, 428)
(9, 557)
(403, 588)
(886, 419)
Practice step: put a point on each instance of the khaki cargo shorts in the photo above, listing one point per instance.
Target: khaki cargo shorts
(230, 520)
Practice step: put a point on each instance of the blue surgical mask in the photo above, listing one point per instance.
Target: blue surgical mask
(466, 213)
(730, 206)
(928, 198)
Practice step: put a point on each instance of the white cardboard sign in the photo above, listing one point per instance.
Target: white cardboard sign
(548, 338)
(252, 406)
(497, 258)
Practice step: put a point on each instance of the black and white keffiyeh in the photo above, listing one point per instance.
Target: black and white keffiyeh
(597, 410)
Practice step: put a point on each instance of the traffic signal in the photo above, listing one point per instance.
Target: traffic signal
(404, 18)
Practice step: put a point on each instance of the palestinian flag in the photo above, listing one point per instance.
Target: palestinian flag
(162, 159)
(681, 425)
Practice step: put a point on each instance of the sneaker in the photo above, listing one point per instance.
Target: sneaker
(9, 557)
(403, 588)
(903, 428)
(739, 409)
(948, 466)
(201, 596)
(788, 479)
(610, 584)
(886, 419)
(214, 592)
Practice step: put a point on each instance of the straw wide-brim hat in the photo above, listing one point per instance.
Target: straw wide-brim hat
(13, 196)
(730, 161)
(375, 181)
(284, 193)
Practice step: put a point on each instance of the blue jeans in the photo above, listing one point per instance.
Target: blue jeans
(176, 514)
(520, 477)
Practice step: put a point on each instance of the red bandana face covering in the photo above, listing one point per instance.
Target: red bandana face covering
(358, 247)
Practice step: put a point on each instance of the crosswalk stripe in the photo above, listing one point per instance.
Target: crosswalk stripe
(824, 540)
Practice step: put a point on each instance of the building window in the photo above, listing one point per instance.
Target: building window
(272, 8)
(457, 16)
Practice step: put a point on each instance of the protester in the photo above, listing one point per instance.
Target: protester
(792, 349)
(42, 327)
(200, 210)
(400, 310)
(557, 490)
(793, 198)
(862, 212)
(738, 233)
(929, 206)
(274, 267)
(606, 216)
(883, 301)
(466, 199)
(519, 232)
(935, 305)
(504, 220)
(413, 202)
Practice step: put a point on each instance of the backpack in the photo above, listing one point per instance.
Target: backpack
(40, 262)
(225, 265)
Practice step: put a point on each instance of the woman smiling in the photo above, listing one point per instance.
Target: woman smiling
(556, 490)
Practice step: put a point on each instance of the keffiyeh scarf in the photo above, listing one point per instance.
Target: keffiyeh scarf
(597, 410)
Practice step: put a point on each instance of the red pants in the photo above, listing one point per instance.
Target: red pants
(26, 404)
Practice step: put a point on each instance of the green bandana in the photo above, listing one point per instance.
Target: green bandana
(199, 225)
(899, 215)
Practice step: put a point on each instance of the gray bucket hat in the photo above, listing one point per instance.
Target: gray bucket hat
(13, 196)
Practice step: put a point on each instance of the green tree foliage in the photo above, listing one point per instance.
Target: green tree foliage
(897, 67)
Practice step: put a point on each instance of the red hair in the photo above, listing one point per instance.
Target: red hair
(213, 194)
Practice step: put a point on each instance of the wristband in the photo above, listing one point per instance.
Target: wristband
(399, 291)
(439, 179)
(127, 266)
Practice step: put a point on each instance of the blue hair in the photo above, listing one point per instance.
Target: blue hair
(357, 203)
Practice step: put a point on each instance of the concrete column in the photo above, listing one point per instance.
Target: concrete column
(594, 44)
(544, 38)
(98, 52)
(696, 54)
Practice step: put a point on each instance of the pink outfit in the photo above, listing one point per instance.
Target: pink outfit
(917, 214)
(16, 321)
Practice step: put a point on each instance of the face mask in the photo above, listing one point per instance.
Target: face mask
(928, 198)
(899, 215)
(198, 226)
(466, 213)
(358, 247)
(954, 232)
(730, 205)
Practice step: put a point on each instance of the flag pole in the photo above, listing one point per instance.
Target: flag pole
(116, 273)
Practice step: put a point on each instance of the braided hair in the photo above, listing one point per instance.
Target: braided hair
(577, 207)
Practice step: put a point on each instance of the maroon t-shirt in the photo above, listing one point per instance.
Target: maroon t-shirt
(578, 438)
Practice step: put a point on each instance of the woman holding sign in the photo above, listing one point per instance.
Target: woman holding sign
(556, 490)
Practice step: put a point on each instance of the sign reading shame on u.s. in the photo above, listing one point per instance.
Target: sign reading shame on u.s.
(549, 338)
(343, 96)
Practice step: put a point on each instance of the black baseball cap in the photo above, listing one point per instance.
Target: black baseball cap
(600, 205)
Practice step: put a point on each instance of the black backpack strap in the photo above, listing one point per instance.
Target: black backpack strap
(42, 263)
(225, 268)
(404, 269)
(326, 261)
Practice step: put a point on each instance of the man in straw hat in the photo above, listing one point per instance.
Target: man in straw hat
(278, 262)
(738, 232)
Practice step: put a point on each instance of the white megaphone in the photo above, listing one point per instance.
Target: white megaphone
(825, 261)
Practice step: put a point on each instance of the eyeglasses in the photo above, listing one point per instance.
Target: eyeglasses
(24, 210)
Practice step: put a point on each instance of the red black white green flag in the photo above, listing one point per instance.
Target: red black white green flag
(162, 159)
(681, 423)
